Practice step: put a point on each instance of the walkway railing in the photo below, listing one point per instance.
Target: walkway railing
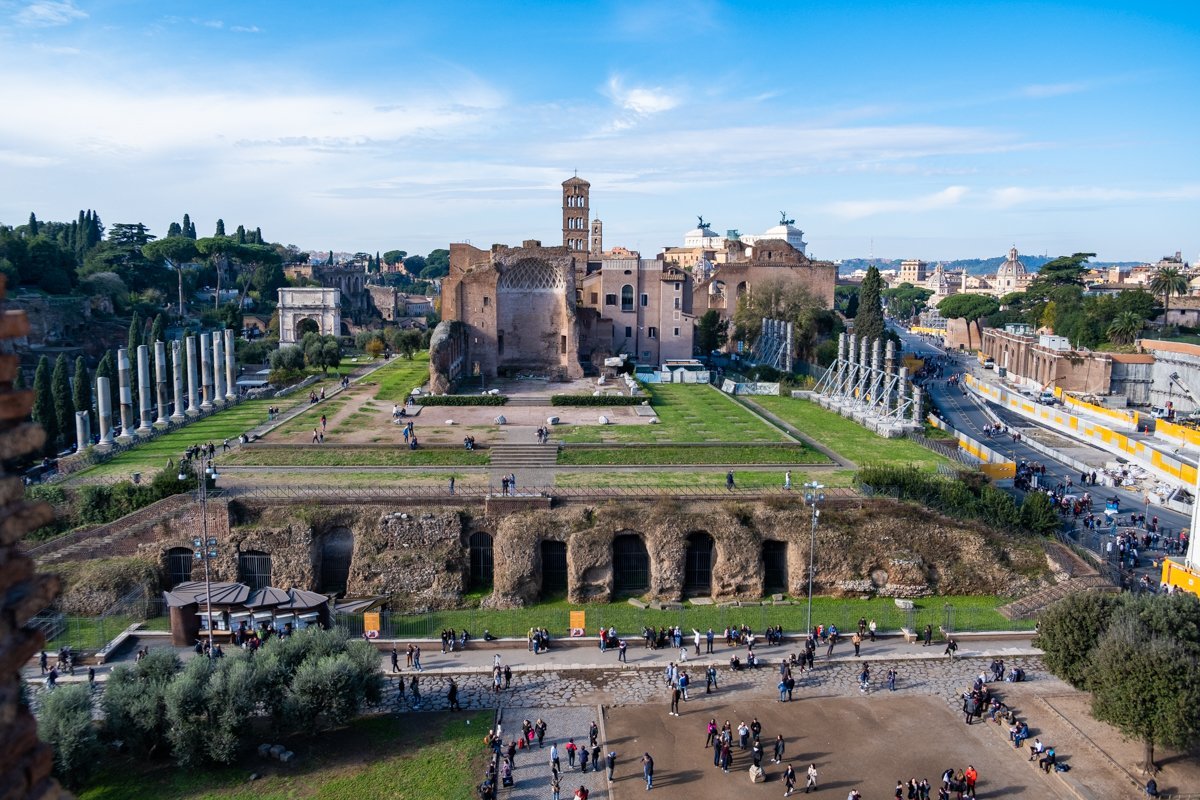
(442, 492)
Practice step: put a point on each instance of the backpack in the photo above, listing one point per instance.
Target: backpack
(1059, 767)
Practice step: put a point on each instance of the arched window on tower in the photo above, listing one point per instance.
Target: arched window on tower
(627, 297)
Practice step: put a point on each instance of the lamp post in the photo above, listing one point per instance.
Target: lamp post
(813, 496)
(205, 548)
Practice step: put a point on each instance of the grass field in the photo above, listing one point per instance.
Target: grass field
(686, 413)
(330, 455)
(668, 455)
(400, 376)
(348, 477)
(970, 613)
(745, 479)
(845, 437)
(374, 757)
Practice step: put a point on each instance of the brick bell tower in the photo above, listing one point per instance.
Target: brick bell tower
(575, 215)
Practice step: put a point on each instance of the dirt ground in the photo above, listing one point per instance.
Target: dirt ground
(856, 743)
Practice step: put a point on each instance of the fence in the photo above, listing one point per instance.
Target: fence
(92, 634)
(441, 492)
(630, 620)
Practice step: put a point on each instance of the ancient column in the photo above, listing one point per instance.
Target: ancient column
(901, 387)
(890, 357)
(83, 430)
(916, 410)
(160, 379)
(230, 367)
(851, 365)
(144, 395)
(193, 404)
(206, 384)
(104, 412)
(177, 376)
(125, 390)
(864, 353)
(218, 369)
(790, 332)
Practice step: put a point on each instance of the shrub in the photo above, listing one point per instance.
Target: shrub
(461, 400)
(66, 723)
(134, 701)
(967, 496)
(592, 400)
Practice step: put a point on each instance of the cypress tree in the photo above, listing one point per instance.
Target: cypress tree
(158, 332)
(83, 389)
(188, 230)
(174, 230)
(43, 402)
(135, 339)
(64, 403)
(33, 225)
(19, 380)
(220, 228)
(869, 320)
(241, 234)
(258, 236)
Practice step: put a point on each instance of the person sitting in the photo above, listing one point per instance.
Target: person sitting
(735, 663)
(487, 636)
(1048, 761)
(1036, 749)
(1152, 788)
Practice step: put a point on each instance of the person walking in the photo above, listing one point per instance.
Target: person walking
(452, 696)
(856, 640)
(709, 639)
(555, 785)
(729, 480)
(811, 784)
(44, 661)
(583, 759)
(611, 761)
(395, 659)
(507, 676)
(928, 635)
(451, 484)
(414, 688)
(648, 770)
(675, 693)
(554, 762)
(951, 647)
(417, 658)
(622, 655)
(891, 679)
(779, 748)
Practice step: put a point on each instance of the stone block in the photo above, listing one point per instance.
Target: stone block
(757, 775)
(633, 601)
(702, 601)
(264, 750)
(904, 604)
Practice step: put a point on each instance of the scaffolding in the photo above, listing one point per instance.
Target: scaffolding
(776, 345)
(867, 384)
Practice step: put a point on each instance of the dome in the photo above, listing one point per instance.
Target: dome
(1012, 268)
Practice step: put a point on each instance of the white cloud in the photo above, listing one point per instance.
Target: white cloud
(49, 13)
(640, 100)
(1016, 196)
(245, 29)
(1044, 90)
(857, 209)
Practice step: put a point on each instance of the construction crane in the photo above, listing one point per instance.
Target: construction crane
(1185, 575)
(1175, 379)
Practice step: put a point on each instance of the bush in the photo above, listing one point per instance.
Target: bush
(968, 496)
(461, 400)
(66, 723)
(134, 701)
(289, 357)
(591, 400)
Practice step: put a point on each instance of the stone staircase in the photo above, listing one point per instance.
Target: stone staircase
(528, 401)
(1032, 605)
(512, 456)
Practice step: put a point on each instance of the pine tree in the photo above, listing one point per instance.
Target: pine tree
(868, 323)
(43, 403)
(174, 230)
(158, 332)
(64, 403)
(33, 225)
(82, 389)
(220, 228)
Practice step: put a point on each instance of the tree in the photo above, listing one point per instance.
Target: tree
(1166, 282)
(1038, 514)
(770, 299)
(906, 301)
(66, 723)
(869, 323)
(158, 331)
(1124, 327)
(32, 228)
(845, 300)
(174, 251)
(307, 326)
(134, 702)
(43, 403)
(413, 265)
(82, 388)
(64, 404)
(969, 307)
(220, 228)
(1069, 631)
(437, 264)
(394, 257)
(711, 332)
(408, 343)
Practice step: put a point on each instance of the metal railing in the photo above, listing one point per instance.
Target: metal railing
(442, 492)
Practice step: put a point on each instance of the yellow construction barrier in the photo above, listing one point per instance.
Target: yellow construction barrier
(1118, 416)
(1177, 434)
(1179, 576)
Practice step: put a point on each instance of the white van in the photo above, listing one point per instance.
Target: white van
(1047, 398)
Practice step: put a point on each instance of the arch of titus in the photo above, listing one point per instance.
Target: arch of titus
(323, 306)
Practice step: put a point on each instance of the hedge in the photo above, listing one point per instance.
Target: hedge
(462, 399)
(591, 400)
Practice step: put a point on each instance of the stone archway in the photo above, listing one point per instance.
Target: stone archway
(698, 558)
(554, 567)
(481, 560)
(307, 325)
(630, 564)
(337, 552)
(775, 567)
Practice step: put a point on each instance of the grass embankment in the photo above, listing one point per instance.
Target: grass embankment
(970, 613)
(846, 437)
(743, 479)
(686, 413)
(330, 455)
(667, 455)
(383, 756)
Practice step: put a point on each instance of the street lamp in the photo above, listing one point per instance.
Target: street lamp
(813, 496)
(205, 547)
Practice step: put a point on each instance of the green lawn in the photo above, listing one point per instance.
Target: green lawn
(745, 479)
(330, 455)
(374, 757)
(970, 613)
(400, 376)
(686, 413)
(667, 455)
(846, 437)
(305, 421)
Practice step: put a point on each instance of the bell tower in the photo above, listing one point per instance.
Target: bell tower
(597, 247)
(575, 216)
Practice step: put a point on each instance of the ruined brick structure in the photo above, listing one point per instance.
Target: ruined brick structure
(25, 762)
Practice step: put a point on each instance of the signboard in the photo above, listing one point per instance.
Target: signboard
(371, 626)
(578, 623)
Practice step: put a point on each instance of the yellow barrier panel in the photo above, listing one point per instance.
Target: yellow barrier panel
(1177, 433)
(998, 472)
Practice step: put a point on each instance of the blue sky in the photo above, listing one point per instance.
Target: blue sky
(931, 130)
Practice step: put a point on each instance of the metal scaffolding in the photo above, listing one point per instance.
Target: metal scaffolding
(866, 384)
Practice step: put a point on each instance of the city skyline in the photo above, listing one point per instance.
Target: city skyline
(934, 132)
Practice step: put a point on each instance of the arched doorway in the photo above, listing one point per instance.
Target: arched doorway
(337, 550)
(554, 567)
(179, 565)
(482, 566)
(306, 325)
(631, 564)
(254, 569)
(697, 564)
(775, 571)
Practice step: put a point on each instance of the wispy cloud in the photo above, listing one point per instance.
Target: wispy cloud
(245, 29)
(49, 13)
(857, 209)
(1016, 196)
(1044, 90)
(640, 100)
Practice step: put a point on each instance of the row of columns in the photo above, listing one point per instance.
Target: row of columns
(866, 375)
(210, 385)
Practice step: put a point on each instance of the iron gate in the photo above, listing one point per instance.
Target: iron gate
(631, 565)
(775, 574)
(336, 553)
(697, 565)
(482, 565)
(554, 567)
(179, 565)
(254, 569)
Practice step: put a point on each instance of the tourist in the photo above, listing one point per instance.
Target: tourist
(554, 762)
(675, 693)
(595, 758)
(928, 635)
(414, 689)
(787, 480)
(951, 647)
(395, 659)
(811, 784)
(539, 728)
(571, 748)
(789, 781)
(611, 761)
(555, 787)
(779, 748)
(856, 640)
(593, 733)
(648, 770)
(452, 696)
(507, 676)
(891, 679)
(729, 480)
(972, 777)
(583, 759)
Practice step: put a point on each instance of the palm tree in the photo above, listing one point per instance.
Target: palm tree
(1168, 281)
(1124, 328)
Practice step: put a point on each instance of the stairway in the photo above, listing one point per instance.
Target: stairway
(528, 401)
(1032, 605)
(508, 456)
